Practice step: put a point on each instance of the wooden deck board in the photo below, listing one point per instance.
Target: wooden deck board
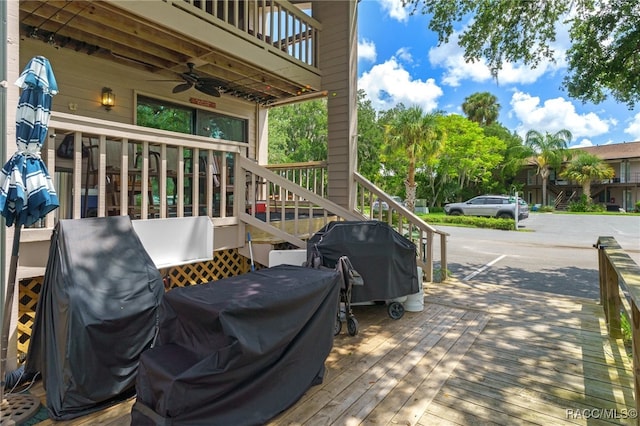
(431, 383)
(477, 355)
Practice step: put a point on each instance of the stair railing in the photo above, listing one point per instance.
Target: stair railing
(405, 222)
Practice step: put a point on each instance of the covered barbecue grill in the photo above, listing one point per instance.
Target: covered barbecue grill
(239, 350)
(97, 313)
(385, 259)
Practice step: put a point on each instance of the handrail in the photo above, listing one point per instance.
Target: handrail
(620, 274)
(406, 223)
(283, 199)
(559, 199)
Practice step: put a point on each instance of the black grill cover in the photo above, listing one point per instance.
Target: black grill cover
(385, 259)
(240, 350)
(97, 312)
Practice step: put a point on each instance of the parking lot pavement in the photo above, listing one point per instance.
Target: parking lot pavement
(551, 252)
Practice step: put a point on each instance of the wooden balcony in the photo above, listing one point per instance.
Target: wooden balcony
(257, 50)
(480, 354)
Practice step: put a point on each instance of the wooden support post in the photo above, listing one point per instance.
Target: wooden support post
(443, 258)
(612, 302)
(602, 258)
(635, 342)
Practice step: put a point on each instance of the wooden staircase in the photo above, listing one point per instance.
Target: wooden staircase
(291, 213)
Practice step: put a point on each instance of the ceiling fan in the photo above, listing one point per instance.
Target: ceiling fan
(205, 85)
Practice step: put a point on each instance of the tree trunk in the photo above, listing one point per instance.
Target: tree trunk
(411, 195)
(544, 174)
(586, 190)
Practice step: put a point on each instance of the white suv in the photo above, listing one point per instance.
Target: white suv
(502, 206)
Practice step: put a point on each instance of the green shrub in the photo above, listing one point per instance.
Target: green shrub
(546, 209)
(437, 275)
(585, 205)
(638, 206)
(474, 221)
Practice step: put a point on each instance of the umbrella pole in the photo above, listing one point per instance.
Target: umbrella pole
(14, 408)
(8, 305)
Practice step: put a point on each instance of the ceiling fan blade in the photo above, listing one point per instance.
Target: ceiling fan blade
(209, 81)
(208, 89)
(189, 77)
(182, 87)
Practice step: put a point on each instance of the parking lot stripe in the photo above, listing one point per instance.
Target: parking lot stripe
(484, 268)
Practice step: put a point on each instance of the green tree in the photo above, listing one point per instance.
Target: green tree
(415, 135)
(370, 139)
(393, 166)
(482, 108)
(604, 34)
(469, 157)
(586, 168)
(514, 155)
(298, 132)
(549, 151)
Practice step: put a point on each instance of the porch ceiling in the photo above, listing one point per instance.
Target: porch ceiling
(103, 29)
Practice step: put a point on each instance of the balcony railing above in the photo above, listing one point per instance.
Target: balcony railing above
(275, 23)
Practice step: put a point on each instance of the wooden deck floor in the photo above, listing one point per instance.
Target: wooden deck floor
(476, 355)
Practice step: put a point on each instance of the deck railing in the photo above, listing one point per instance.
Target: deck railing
(620, 292)
(274, 23)
(311, 175)
(280, 204)
(405, 222)
(121, 169)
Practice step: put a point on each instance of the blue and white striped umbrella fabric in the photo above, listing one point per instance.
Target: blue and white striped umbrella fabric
(27, 193)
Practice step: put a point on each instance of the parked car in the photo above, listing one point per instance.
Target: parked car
(398, 200)
(501, 206)
(377, 205)
(385, 205)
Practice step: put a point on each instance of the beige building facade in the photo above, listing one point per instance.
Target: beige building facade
(620, 192)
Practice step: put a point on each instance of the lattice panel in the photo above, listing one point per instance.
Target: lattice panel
(226, 263)
(28, 299)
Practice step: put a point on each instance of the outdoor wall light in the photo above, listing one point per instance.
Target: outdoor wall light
(108, 98)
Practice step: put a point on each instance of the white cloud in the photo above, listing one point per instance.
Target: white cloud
(554, 115)
(633, 128)
(395, 9)
(367, 50)
(582, 144)
(450, 56)
(404, 54)
(389, 84)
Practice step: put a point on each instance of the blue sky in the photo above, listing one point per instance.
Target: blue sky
(398, 61)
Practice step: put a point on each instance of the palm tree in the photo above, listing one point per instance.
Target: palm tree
(416, 135)
(481, 107)
(549, 151)
(586, 168)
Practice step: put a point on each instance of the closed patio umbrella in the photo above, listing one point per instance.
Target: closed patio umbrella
(27, 193)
